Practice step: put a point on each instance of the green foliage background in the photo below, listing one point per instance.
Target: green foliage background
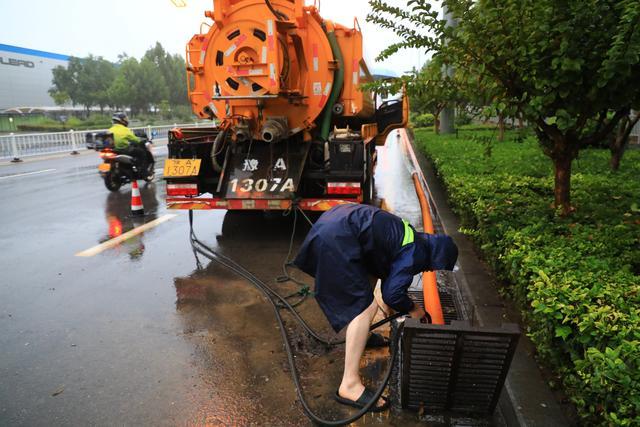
(577, 278)
(158, 77)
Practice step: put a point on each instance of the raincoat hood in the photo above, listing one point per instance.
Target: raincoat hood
(441, 251)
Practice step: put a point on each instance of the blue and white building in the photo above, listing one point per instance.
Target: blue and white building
(25, 78)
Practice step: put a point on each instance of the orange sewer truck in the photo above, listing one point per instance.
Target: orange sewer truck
(292, 124)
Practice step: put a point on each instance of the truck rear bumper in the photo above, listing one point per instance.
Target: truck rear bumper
(255, 204)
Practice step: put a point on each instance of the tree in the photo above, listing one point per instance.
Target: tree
(65, 83)
(119, 93)
(94, 80)
(150, 86)
(430, 90)
(84, 81)
(619, 141)
(563, 65)
(173, 70)
(138, 85)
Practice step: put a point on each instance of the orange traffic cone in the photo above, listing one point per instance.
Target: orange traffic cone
(136, 200)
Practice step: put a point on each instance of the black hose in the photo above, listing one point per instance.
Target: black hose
(281, 16)
(272, 296)
(217, 149)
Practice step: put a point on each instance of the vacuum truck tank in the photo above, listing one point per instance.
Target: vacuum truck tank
(293, 124)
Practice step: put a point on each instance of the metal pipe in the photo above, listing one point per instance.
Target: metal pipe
(273, 131)
(242, 135)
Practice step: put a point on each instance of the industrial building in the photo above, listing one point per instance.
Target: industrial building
(25, 78)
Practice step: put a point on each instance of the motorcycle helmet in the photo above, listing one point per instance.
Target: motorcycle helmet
(121, 118)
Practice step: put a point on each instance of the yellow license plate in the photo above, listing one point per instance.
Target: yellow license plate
(181, 167)
(104, 167)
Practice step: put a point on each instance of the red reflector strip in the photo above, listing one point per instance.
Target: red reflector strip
(182, 189)
(258, 204)
(343, 188)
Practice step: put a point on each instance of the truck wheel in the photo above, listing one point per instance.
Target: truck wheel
(112, 182)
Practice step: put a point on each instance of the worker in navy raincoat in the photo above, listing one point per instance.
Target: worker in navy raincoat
(345, 249)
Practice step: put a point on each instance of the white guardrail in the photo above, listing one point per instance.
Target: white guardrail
(17, 146)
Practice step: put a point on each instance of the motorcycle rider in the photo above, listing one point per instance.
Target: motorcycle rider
(125, 141)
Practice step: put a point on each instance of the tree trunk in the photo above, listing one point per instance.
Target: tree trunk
(520, 122)
(562, 190)
(619, 141)
(500, 127)
(436, 124)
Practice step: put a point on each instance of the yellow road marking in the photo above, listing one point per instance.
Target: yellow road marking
(121, 238)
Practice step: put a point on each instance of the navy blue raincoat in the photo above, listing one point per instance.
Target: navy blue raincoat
(349, 243)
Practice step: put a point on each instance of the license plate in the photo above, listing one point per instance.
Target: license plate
(181, 167)
(104, 167)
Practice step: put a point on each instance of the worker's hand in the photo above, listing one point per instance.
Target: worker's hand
(417, 312)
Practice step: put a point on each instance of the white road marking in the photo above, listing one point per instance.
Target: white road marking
(123, 237)
(26, 173)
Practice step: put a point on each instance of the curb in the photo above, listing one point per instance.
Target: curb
(526, 399)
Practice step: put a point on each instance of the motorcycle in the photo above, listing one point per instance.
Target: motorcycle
(120, 168)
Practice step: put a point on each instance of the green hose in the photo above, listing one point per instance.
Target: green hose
(338, 82)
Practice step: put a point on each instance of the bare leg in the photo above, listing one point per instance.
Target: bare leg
(351, 386)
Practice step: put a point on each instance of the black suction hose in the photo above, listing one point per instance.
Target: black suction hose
(217, 149)
(272, 296)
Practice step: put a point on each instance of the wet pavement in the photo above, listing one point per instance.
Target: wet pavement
(138, 334)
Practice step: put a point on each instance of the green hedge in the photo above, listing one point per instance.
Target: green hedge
(576, 278)
(422, 120)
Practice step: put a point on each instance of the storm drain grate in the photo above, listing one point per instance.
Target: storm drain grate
(455, 368)
(449, 304)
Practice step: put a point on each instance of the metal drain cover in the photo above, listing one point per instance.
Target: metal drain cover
(450, 304)
(455, 368)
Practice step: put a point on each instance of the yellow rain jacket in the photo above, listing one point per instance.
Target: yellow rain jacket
(122, 136)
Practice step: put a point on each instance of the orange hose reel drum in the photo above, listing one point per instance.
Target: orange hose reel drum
(252, 66)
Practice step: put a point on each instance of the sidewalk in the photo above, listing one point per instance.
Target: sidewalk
(526, 399)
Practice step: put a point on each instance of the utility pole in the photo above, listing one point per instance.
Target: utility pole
(448, 115)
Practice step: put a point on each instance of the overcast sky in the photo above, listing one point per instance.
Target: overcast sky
(109, 27)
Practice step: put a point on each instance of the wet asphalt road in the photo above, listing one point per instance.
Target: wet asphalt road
(138, 334)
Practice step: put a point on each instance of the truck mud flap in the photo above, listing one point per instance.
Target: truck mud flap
(456, 368)
(264, 171)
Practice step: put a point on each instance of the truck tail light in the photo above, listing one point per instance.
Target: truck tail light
(343, 188)
(182, 189)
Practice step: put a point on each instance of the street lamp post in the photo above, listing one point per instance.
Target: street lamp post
(448, 115)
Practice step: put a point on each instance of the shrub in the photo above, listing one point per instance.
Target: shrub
(423, 120)
(463, 118)
(575, 278)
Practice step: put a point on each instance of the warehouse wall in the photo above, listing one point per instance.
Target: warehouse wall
(25, 76)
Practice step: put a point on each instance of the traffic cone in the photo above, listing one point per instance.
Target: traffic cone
(136, 200)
